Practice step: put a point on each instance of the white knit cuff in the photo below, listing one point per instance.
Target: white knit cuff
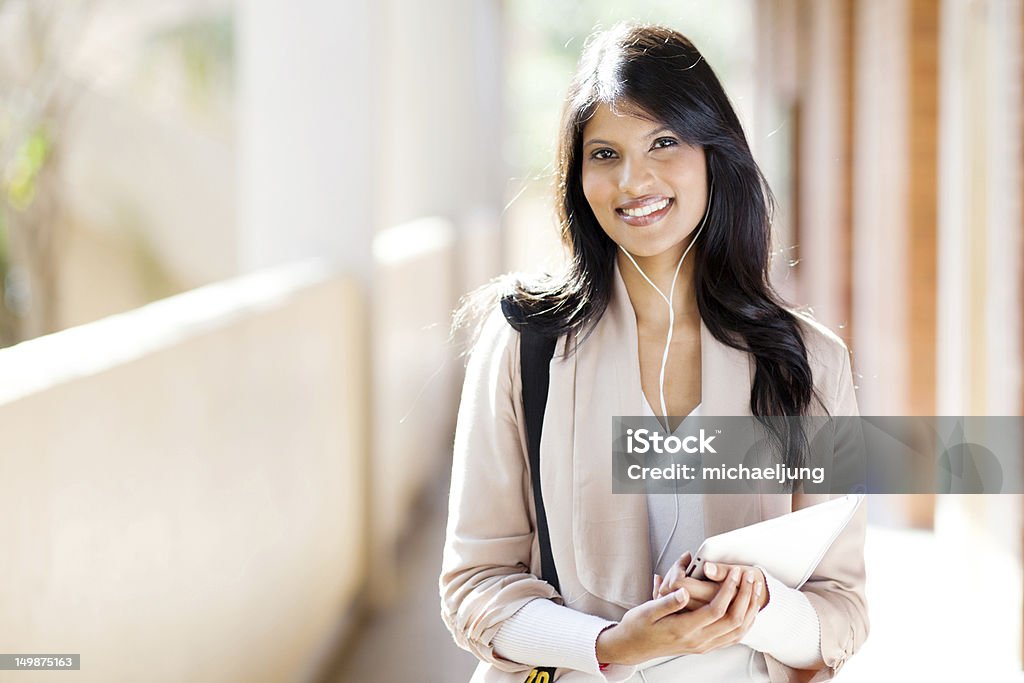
(543, 633)
(787, 628)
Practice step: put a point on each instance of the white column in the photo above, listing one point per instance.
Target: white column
(440, 140)
(880, 168)
(1003, 122)
(773, 131)
(953, 296)
(979, 367)
(306, 133)
(822, 166)
(306, 166)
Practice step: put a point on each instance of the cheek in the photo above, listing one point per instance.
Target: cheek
(687, 181)
(593, 189)
(685, 171)
(694, 170)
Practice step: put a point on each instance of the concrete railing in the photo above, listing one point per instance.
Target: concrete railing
(182, 487)
(203, 488)
(415, 377)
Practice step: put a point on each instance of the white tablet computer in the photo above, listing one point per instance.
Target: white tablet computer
(789, 547)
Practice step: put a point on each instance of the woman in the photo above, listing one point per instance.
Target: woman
(665, 303)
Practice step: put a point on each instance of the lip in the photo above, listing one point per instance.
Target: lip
(640, 221)
(643, 201)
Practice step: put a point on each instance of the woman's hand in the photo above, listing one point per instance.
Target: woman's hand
(702, 591)
(659, 628)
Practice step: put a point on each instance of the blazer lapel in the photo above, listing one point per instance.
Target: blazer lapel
(726, 376)
(613, 554)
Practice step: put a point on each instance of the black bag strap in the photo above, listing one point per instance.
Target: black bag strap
(535, 353)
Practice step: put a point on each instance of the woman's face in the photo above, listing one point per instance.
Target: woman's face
(647, 188)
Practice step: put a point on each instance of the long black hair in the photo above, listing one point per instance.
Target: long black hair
(659, 73)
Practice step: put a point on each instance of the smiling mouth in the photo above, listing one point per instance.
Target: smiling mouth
(647, 214)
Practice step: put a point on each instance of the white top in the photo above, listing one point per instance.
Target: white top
(543, 633)
(662, 511)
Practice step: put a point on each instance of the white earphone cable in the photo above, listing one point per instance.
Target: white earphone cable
(668, 342)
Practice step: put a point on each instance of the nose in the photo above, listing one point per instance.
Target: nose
(635, 177)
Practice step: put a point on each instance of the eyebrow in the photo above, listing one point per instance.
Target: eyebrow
(598, 141)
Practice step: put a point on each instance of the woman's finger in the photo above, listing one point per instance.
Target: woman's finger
(740, 604)
(657, 587)
(755, 607)
(718, 571)
(704, 591)
(701, 592)
(670, 583)
(673, 580)
(683, 563)
(749, 613)
(663, 607)
(761, 589)
(694, 603)
(718, 608)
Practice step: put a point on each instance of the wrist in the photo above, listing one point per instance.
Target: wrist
(609, 646)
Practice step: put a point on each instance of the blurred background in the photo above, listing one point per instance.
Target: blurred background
(232, 233)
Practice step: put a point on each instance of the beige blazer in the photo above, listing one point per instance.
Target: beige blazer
(599, 540)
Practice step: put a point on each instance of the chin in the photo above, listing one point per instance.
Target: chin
(647, 247)
(641, 251)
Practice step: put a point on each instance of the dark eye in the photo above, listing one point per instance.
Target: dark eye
(665, 142)
(602, 154)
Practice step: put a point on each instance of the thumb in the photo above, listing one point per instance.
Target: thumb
(669, 604)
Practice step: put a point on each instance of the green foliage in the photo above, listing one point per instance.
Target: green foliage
(20, 181)
(6, 316)
(3, 243)
(205, 44)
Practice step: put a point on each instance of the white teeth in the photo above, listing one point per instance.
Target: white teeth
(646, 210)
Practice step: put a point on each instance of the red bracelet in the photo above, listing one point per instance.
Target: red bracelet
(601, 666)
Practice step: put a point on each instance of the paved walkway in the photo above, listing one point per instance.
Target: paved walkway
(945, 606)
(409, 643)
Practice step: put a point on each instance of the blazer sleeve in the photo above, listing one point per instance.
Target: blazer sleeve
(836, 589)
(485, 573)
